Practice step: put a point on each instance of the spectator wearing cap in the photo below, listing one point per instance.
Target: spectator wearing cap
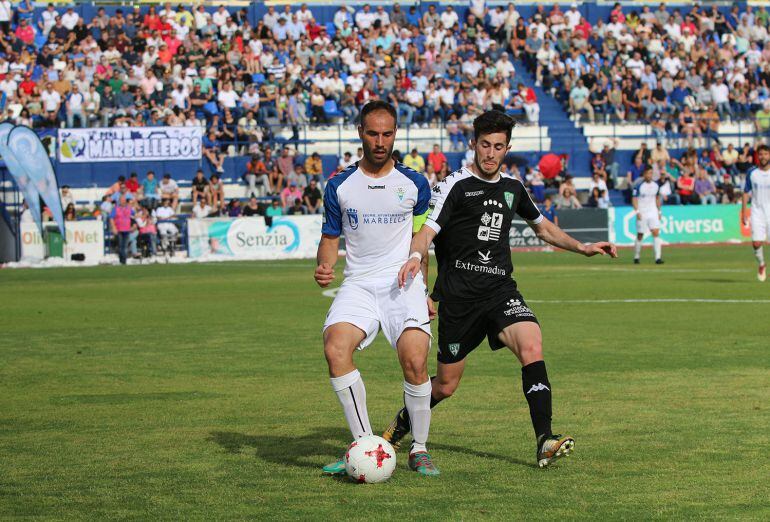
(289, 194)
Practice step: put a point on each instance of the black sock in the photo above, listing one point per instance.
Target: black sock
(537, 391)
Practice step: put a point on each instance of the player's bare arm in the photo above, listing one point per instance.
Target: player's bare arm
(418, 251)
(744, 205)
(326, 258)
(555, 236)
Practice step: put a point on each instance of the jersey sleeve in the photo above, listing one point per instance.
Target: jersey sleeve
(526, 208)
(747, 185)
(636, 190)
(442, 203)
(332, 219)
(422, 207)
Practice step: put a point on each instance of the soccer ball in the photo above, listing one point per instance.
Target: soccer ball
(370, 459)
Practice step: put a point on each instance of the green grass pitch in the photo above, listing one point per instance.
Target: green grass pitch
(200, 392)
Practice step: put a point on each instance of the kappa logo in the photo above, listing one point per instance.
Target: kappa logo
(513, 302)
(436, 189)
(485, 258)
(538, 387)
(352, 218)
(474, 193)
(454, 348)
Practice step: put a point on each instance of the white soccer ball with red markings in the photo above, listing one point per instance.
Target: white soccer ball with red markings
(370, 459)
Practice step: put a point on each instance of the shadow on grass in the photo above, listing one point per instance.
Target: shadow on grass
(484, 454)
(287, 450)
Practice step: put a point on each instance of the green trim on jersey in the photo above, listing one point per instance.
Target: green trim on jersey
(419, 221)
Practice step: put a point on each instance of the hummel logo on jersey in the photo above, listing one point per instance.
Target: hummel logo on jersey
(374, 187)
(538, 387)
(454, 348)
(485, 258)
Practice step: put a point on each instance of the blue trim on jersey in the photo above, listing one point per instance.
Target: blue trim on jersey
(332, 225)
(747, 185)
(423, 188)
(636, 190)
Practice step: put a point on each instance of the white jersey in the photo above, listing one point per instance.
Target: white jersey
(758, 184)
(376, 216)
(646, 194)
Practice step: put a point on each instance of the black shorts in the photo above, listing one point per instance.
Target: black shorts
(462, 326)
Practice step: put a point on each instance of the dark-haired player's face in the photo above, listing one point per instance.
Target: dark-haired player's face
(378, 134)
(490, 151)
(764, 158)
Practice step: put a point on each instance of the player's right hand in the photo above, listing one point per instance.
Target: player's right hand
(411, 267)
(324, 275)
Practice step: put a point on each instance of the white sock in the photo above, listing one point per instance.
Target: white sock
(352, 395)
(417, 401)
(657, 245)
(760, 255)
(637, 248)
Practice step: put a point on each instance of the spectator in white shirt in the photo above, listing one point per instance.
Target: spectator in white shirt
(202, 209)
(365, 18)
(75, 103)
(720, 96)
(70, 19)
(220, 16)
(227, 97)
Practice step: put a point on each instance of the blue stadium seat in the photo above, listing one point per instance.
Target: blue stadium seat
(330, 106)
(258, 78)
(331, 29)
(211, 108)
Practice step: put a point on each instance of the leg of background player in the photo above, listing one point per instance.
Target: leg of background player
(760, 255)
(657, 245)
(638, 247)
(412, 349)
(525, 341)
(340, 341)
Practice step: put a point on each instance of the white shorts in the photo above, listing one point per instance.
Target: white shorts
(372, 305)
(648, 222)
(760, 224)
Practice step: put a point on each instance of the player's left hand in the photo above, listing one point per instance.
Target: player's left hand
(411, 267)
(603, 248)
(431, 309)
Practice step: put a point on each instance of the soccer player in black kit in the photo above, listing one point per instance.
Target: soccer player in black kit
(469, 225)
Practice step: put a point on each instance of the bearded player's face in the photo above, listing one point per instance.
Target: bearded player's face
(378, 134)
(764, 158)
(490, 151)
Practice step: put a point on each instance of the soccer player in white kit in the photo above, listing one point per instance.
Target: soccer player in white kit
(377, 204)
(647, 202)
(757, 188)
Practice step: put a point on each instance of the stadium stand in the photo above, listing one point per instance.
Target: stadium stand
(577, 77)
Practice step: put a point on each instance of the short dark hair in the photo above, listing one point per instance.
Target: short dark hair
(377, 105)
(491, 122)
(762, 147)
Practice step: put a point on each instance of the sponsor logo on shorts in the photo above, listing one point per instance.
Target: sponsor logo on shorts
(411, 320)
(454, 348)
(470, 267)
(517, 308)
(538, 387)
(474, 193)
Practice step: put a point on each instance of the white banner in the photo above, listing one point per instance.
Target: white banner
(83, 237)
(289, 237)
(130, 144)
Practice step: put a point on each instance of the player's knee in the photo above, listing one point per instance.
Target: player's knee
(531, 352)
(415, 369)
(336, 352)
(444, 390)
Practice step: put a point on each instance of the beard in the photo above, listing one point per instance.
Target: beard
(374, 160)
(484, 171)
